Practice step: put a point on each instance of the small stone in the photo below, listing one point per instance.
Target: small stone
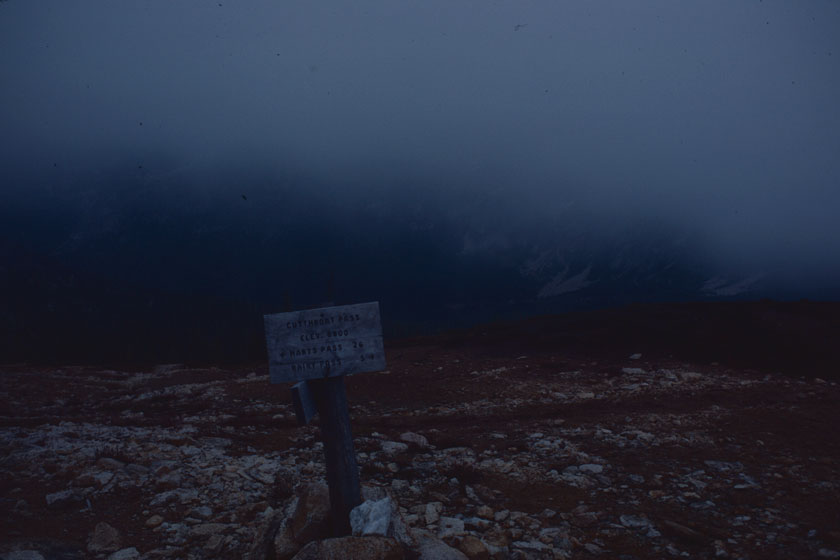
(202, 512)
(207, 529)
(104, 538)
(635, 356)
(154, 521)
(109, 464)
(473, 548)
(393, 447)
(501, 515)
(416, 439)
(593, 548)
(451, 526)
(432, 512)
(485, 512)
(214, 544)
(591, 468)
(828, 553)
(63, 498)
(634, 521)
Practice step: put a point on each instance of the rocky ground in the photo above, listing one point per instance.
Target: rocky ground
(514, 450)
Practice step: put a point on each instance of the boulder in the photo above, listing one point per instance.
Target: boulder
(352, 548)
(311, 519)
(429, 547)
(285, 545)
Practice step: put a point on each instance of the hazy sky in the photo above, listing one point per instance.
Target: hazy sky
(722, 116)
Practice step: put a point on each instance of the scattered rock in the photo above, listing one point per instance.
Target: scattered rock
(204, 530)
(593, 549)
(432, 512)
(473, 548)
(104, 538)
(634, 521)
(591, 468)
(416, 439)
(393, 447)
(64, 498)
(450, 526)
(485, 512)
(430, 547)
(202, 512)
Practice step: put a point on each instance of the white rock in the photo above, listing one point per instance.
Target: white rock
(417, 439)
(828, 553)
(635, 356)
(591, 468)
(372, 518)
(451, 526)
(393, 447)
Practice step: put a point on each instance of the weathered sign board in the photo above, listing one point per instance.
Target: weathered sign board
(326, 342)
(317, 348)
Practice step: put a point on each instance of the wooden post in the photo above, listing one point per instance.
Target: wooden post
(342, 468)
(317, 348)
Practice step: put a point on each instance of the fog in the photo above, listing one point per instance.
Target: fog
(526, 151)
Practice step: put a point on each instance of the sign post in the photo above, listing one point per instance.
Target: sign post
(317, 348)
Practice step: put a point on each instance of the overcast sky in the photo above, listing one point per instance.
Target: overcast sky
(722, 116)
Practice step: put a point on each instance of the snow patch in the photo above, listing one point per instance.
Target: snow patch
(563, 284)
(721, 286)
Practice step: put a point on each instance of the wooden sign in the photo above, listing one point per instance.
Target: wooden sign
(317, 348)
(325, 342)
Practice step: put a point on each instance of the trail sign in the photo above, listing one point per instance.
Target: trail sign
(326, 342)
(317, 348)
